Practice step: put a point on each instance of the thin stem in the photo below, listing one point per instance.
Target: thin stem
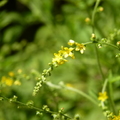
(98, 61)
(93, 15)
(81, 93)
(103, 90)
(104, 85)
(72, 89)
(110, 91)
(93, 27)
(111, 45)
(33, 107)
(87, 43)
(22, 104)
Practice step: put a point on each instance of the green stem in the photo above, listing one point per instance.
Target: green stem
(33, 107)
(110, 92)
(103, 90)
(72, 89)
(87, 43)
(93, 27)
(22, 104)
(81, 93)
(104, 85)
(98, 61)
(93, 15)
(111, 45)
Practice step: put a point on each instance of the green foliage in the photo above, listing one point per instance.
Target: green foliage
(31, 31)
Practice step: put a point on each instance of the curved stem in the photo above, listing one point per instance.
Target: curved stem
(93, 15)
(81, 93)
(110, 92)
(72, 89)
(87, 43)
(111, 45)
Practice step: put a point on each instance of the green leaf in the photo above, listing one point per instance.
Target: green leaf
(114, 79)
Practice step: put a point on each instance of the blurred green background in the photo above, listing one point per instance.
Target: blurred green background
(32, 30)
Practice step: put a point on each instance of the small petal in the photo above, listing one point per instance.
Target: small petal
(71, 42)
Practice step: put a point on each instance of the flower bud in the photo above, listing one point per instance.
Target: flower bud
(118, 43)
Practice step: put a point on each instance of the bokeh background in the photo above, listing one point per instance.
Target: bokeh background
(31, 31)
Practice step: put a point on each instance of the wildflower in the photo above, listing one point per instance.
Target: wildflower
(6, 80)
(58, 59)
(116, 117)
(71, 42)
(17, 82)
(62, 54)
(102, 96)
(67, 52)
(11, 74)
(80, 47)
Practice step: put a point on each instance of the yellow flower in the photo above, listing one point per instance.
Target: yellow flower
(116, 117)
(17, 82)
(67, 52)
(71, 42)
(6, 80)
(58, 59)
(11, 74)
(80, 47)
(102, 96)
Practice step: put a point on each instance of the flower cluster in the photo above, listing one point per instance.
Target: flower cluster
(10, 79)
(59, 59)
(7, 81)
(111, 116)
(116, 117)
(78, 46)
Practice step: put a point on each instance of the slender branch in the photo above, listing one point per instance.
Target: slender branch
(110, 92)
(72, 89)
(104, 85)
(35, 108)
(98, 61)
(93, 15)
(87, 43)
(82, 93)
(111, 45)
(22, 104)
(103, 90)
(93, 32)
